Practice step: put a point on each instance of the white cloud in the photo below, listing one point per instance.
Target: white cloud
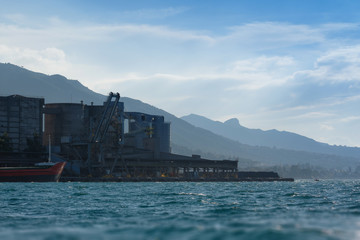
(334, 27)
(326, 127)
(350, 119)
(180, 98)
(15, 18)
(158, 51)
(262, 63)
(263, 71)
(285, 34)
(152, 13)
(127, 30)
(48, 60)
(249, 73)
(276, 33)
(258, 72)
(59, 32)
(338, 65)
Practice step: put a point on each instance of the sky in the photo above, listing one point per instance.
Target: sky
(290, 65)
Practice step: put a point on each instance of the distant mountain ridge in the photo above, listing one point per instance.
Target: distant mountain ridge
(272, 138)
(18, 80)
(186, 138)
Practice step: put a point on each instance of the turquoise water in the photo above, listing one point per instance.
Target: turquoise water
(256, 210)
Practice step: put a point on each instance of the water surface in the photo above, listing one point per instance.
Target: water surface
(328, 209)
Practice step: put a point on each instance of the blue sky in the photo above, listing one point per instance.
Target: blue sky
(289, 65)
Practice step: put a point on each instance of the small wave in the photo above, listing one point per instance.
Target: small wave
(194, 194)
(208, 202)
(179, 211)
(163, 194)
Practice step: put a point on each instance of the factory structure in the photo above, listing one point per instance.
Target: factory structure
(20, 120)
(98, 140)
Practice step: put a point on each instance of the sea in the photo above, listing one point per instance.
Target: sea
(304, 209)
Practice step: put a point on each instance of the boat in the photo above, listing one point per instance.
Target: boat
(41, 172)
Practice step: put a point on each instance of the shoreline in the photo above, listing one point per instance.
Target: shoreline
(169, 179)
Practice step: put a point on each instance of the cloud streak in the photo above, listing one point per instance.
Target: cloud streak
(52, 60)
(153, 13)
(265, 73)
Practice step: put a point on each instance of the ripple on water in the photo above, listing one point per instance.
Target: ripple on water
(297, 210)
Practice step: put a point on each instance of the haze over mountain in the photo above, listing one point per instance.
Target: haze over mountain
(272, 138)
(187, 138)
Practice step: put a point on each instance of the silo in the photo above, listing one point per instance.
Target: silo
(65, 123)
(161, 132)
(165, 138)
(73, 123)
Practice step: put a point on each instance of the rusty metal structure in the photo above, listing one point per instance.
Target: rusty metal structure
(98, 140)
(106, 140)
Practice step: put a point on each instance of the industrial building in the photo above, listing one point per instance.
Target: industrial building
(103, 140)
(21, 120)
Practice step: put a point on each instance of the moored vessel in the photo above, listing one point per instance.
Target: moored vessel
(49, 172)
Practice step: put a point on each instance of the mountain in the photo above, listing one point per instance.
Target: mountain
(272, 138)
(54, 88)
(186, 138)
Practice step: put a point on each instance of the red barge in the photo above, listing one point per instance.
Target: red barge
(43, 172)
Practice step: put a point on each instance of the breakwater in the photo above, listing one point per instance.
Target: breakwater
(169, 179)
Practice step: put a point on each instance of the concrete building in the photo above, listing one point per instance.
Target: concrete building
(105, 139)
(21, 119)
(145, 131)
